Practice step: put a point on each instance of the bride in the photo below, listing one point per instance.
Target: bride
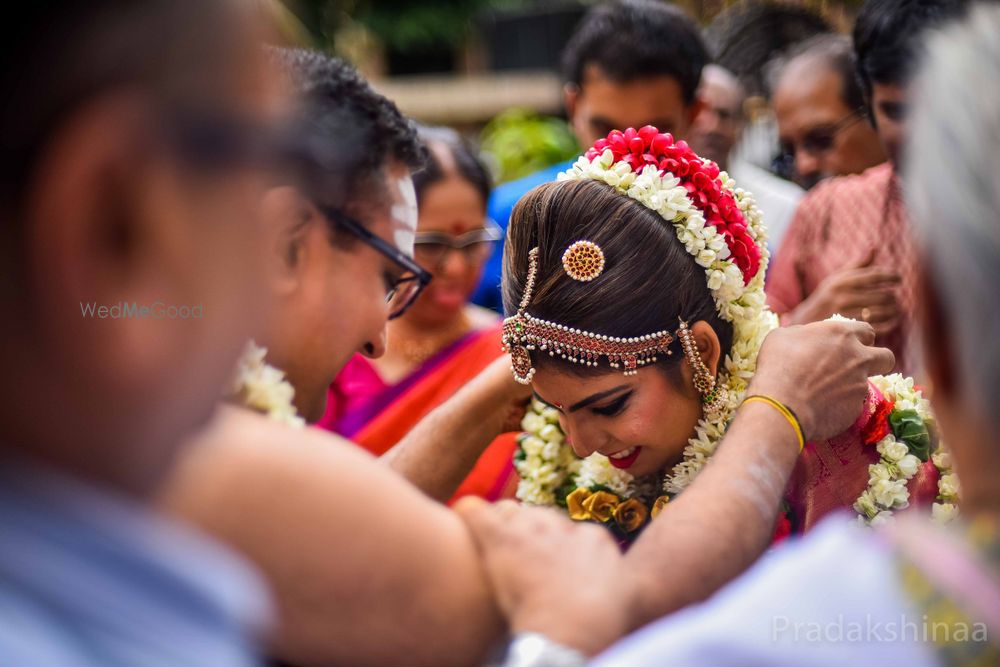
(635, 289)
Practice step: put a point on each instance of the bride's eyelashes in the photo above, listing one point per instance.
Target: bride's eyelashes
(614, 407)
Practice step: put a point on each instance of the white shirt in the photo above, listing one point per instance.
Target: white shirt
(776, 198)
(830, 599)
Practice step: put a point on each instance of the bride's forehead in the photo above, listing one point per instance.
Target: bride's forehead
(553, 385)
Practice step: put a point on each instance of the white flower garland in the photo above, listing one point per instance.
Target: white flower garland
(262, 387)
(887, 482)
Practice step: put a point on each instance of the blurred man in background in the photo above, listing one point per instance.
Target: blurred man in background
(132, 146)
(714, 133)
(820, 109)
(849, 248)
(630, 63)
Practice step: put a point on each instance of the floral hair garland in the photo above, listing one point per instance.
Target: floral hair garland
(263, 388)
(722, 229)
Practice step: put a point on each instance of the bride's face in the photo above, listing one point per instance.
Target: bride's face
(641, 422)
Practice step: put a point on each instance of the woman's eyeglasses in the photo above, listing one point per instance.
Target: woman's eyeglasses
(401, 291)
(431, 248)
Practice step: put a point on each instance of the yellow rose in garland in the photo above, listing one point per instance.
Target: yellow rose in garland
(601, 505)
(631, 515)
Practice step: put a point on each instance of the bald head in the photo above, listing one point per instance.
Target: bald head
(819, 107)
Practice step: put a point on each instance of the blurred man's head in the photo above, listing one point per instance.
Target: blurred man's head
(888, 35)
(952, 178)
(633, 63)
(331, 285)
(717, 127)
(130, 164)
(820, 111)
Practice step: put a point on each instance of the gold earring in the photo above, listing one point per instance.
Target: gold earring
(714, 396)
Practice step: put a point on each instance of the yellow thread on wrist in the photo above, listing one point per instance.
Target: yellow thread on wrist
(785, 412)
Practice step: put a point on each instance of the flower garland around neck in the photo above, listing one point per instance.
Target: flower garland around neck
(723, 231)
(263, 388)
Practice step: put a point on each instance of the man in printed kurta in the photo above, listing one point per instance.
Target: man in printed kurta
(849, 251)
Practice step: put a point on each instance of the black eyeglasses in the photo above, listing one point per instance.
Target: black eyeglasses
(431, 248)
(817, 141)
(401, 291)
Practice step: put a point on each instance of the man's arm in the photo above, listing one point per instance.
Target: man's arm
(722, 522)
(365, 569)
(720, 525)
(443, 447)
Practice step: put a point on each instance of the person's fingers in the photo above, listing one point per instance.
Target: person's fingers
(507, 507)
(866, 259)
(482, 518)
(877, 296)
(886, 327)
(863, 331)
(868, 278)
(878, 315)
(881, 361)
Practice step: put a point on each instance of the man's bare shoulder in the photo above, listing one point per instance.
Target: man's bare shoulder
(243, 459)
(248, 434)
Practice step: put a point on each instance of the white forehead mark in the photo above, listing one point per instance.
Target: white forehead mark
(404, 213)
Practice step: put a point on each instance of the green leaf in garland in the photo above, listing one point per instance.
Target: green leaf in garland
(911, 429)
(519, 453)
(567, 487)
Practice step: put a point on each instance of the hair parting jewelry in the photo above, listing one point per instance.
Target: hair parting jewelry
(524, 333)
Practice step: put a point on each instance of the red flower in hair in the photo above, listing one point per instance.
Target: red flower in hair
(648, 146)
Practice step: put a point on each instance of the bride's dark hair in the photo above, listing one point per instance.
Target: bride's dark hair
(649, 279)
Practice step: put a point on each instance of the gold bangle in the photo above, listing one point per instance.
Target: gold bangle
(785, 411)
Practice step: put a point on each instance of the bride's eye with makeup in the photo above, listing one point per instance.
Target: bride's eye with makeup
(614, 407)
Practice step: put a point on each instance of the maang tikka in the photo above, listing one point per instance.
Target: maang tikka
(523, 333)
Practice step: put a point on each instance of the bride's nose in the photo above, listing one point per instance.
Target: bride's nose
(584, 441)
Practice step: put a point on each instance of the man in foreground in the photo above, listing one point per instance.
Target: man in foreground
(132, 152)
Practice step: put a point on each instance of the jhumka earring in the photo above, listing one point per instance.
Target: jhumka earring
(714, 396)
